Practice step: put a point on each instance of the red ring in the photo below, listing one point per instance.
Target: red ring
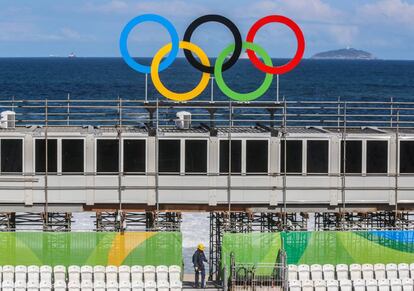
(299, 51)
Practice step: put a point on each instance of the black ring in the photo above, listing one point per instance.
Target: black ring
(230, 25)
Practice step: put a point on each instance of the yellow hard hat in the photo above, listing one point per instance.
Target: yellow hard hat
(201, 247)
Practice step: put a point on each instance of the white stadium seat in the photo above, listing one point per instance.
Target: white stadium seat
(320, 285)
(33, 274)
(20, 286)
(355, 271)
(372, 285)
(163, 285)
(111, 274)
(8, 273)
(342, 272)
(328, 272)
(74, 274)
(59, 273)
(136, 274)
(307, 285)
(384, 285)
(367, 271)
(112, 286)
(174, 273)
(61, 286)
(150, 286)
(292, 272)
(45, 285)
(346, 285)
(294, 285)
(86, 273)
(332, 285)
(20, 273)
(45, 275)
(99, 274)
(303, 271)
(33, 286)
(162, 273)
(125, 286)
(178, 286)
(7, 285)
(99, 286)
(407, 284)
(403, 271)
(149, 273)
(411, 270)
(87, 285)
(396, 285)
(392, 271)
(124, 273)
(379, 270)
(137, 286)
(74, 286)
(316, 272)
(359, 285)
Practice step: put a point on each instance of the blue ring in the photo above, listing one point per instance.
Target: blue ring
(124, 38)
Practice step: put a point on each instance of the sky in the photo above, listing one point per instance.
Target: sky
(91, 28)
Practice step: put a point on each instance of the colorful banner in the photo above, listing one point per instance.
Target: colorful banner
(328, 247)
(90, 248)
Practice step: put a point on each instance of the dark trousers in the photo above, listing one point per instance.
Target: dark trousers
(201, 271)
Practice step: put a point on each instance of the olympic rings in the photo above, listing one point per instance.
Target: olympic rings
(144, 18)
(242, 96)
(173, 95)
(159, 64)
(226, 22)
(299, 51)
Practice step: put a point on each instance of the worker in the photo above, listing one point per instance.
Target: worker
(198, 261)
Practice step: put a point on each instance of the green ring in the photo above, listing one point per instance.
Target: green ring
(243, 96)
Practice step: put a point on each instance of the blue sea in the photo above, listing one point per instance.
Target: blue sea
(110, 78)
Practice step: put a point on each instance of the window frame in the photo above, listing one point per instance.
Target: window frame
(244, 157)
(183, 156)
(304, 156)
(388, 157)
(182, 152)
(23, 155)
(305, 169)
(145, 156)
(242, 150)
(363, 156)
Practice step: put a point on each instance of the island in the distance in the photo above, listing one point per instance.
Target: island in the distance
(344, 54)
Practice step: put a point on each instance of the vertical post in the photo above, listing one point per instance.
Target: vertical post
(343, 186)
(12, 108)
(156, 159)
(397, 162)
(230, 160)
(46, 205)
(277, 88)
(339, 111)
(68, 110)
(212, 90)
(120, 153)
(284, 133)
(146, 88)
(391, 111)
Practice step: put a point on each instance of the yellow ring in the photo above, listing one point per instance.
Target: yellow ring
(173, 95)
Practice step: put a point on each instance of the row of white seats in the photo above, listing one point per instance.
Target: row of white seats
(89, 286)
(89, 273)
(353, 271)
(355, 285)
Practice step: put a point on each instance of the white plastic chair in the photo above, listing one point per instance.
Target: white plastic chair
(294, 285)
(45, 275)
(112, 286)
(174, 273)
(372, 285)
(86, 273)
(124, 274)
(178, 286)
(20, 273)
(7, 285)
(307, 285)
(355, 271)
(74, 286)
(384, 285)
(33, 274)
(45, 285)
(359, 285)
(316, 272)
(8, 273)
(87, 285)
(346, 285)
(403, 271)
(332, 285)
(320, 285)
(150, 286)
(411, 270)
(379, 270)
(328, 272)
(99, 285)
(99, 274)
(136, 274)
(163, 285)
(111, 274)
(137, 285)
(342, 272)
(303, 271)
(162, 273)
(149, 273)
(292, 272)
(368, 271)
(74, 274)
(59, 273)
(20, 285)
(124, 286)
(392, 271)
(33, 286)
(407, 284)
(61, 286)
(396, 285)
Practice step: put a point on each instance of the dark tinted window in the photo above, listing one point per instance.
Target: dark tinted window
(11, 155)
(293, 156)
(169, 156)
(134, 156)
(317, 156)
(256, 156)
(407, 157)
(107, 156)
(377, 156)
(40, 155)
(235, 156)
(195, 156)
(353, 162)
(72, 156)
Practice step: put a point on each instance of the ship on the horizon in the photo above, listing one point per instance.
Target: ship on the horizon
(72, 55)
